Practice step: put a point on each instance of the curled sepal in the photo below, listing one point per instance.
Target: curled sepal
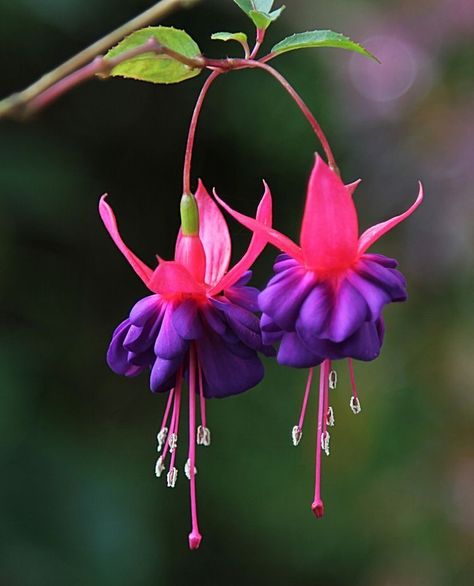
(265, 231)
(152, 67)
(371, 235)
(108, 217)
(264, 217)
(319, 38)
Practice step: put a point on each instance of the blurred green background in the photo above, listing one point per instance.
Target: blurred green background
(79, 503)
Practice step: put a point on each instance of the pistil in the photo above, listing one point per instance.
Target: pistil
(194, 537)
(318, 505)
(297, 431)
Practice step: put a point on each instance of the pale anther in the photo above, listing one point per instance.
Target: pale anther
(325, 437)
(332, 379)
(330, 417)
(296, 434)
(355, 405)
(159, 467)
(187, 469)
(161, 438)
(203, 436)
(171, 477)
(173, 442)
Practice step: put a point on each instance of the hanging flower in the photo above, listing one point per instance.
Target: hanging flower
(326, 299)
(199, 323)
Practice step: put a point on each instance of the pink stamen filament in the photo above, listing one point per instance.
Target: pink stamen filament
(175, 426)
(326, 400)
(352, 377)
(175, 414)
(202, 399)
(318, 505)
(167, 410)
(192, 131)
(305, 399)
(194, 537)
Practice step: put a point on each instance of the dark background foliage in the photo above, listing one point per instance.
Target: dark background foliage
(79, 501)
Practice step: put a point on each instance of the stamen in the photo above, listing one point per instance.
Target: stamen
(163, 433)
(297, 431)
(330, 417)
(296, 435)
(159, 467)
(172, 477)
(194, 537)
(187, 469)
(203, 436)
(354, 402)
(318, 505)
(332, 379)
(325, 437)
(173, 442)
(161, 438)
(355, 405)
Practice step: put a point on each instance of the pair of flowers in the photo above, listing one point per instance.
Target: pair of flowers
(324, 303)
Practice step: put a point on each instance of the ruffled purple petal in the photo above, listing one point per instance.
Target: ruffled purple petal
(163, 374)
(387, 278)
(375, 296)
(315, 313)
(117, 355)
(348, 313)
(284, 295)
(224, 372)
(169, 344)
(293, 352)
(145, 309)
(246, 297)
(186, 320)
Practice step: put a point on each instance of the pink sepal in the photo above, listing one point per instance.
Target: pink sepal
(214, 235)
(108, 217)
(259, 240)
(329, 229)
(371, 235)
(171, 278)
(351, 187)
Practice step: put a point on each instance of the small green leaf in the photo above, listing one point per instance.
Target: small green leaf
(263, 20)
(239, 37)
(259, 11)
(319, 39)
(156, 68)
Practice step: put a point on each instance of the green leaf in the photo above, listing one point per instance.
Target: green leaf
(263, 20)
(320, 39)
(239, 37)
(156, 68)
(259, 11)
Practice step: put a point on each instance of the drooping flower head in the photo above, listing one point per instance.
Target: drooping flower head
(198, 324)
(326, 299)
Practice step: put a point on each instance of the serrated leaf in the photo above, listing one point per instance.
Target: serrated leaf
(156, 68)
(323, 38)
(263, 20)
(239, 37)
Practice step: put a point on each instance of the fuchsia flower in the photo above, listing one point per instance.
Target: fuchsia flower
(198, 323)
(326, 299)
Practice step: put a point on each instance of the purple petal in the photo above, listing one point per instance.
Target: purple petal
(385, 261)
(117, 356)
(375, 296)
(364, 344)
(246, 297)
(186, 320)
(315, 314)
(169, 344)
(282, 298)
(244, 279)
(214, 318)
(390, 279)
(163, 374)
(224, 372)
(293, 352)
(145, 309)
(349, 312)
